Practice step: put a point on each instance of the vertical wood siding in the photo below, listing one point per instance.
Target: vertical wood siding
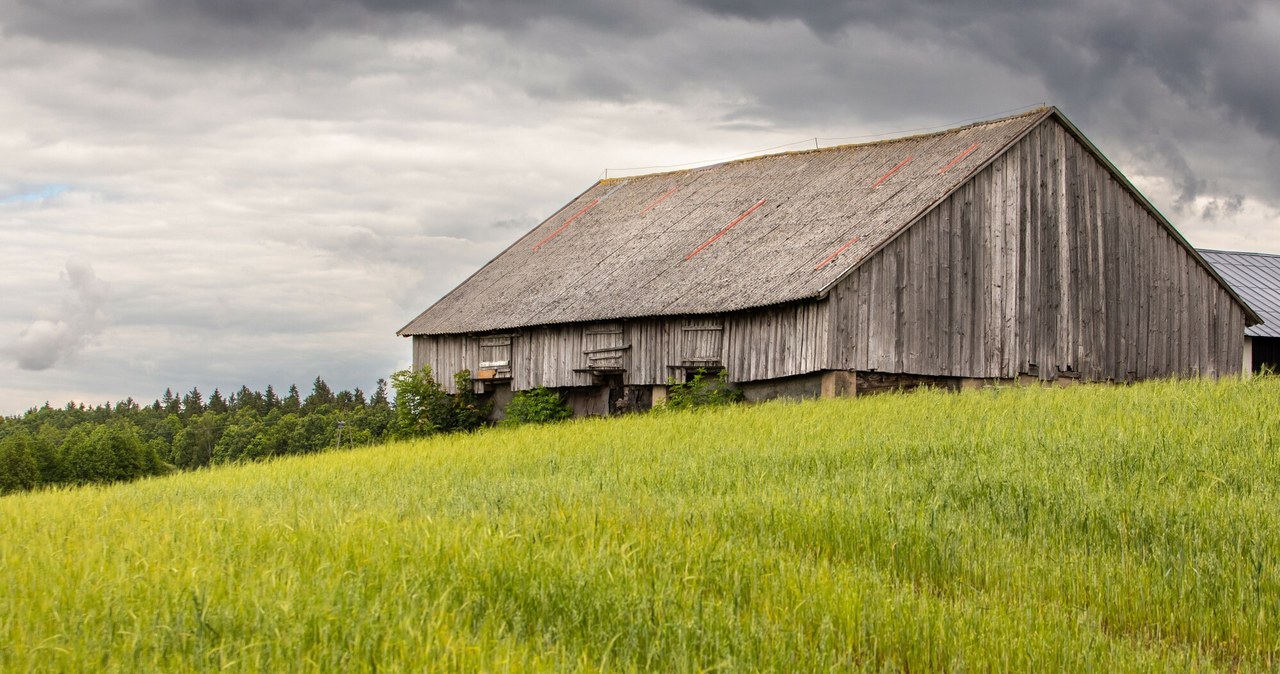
(606, 346)
(1042, 262)
(760, 344)
(548, 357)
(779, 341)
(446, 354)
(703, 342)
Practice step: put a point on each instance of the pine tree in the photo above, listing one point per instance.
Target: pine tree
(217, 403)
(379, 418)
(291, 403)
(192, 404)
(246, 399)
(321, 395)
(380, 395)
(272, 401)
(125, 406)
(170, 402)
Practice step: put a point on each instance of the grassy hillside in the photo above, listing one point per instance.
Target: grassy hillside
(1095, 528)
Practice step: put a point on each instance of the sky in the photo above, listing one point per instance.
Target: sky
(216, 193)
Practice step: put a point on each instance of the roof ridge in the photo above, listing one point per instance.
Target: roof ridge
(1038, 110)
(1237, 252)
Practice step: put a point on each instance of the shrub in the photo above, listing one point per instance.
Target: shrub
(468, 413)
(111, 452)
(422, 406)
(536, 406)
(701, 391)
(18, 467)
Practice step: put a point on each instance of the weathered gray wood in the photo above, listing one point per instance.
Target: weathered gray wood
(1041, 259)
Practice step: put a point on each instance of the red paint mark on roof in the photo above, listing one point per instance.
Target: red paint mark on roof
(727, 227)
(566, 224)
(827, 260)
(958, 158)
(660, 199)
(892, 171)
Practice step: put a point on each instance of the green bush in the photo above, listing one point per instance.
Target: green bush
(536, 406)
(18, 467)
(112, 452)
(468, 413)
(701, 391)
(424, 408)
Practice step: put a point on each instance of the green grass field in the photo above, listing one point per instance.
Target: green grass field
(1033, 529)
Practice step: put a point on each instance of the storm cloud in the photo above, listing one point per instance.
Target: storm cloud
(274, 187)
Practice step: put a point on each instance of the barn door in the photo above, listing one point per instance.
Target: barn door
(604, 346)
(495, 357)
(702, 343)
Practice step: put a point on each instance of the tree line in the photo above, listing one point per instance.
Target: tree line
(79, 444)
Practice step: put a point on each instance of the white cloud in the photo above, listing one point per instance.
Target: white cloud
(65, 331)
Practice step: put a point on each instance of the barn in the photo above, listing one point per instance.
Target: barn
(1256, 278)
(1003, 250)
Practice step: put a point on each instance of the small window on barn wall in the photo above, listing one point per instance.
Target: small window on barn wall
(495, 357)
(604, 345)
(702, 342)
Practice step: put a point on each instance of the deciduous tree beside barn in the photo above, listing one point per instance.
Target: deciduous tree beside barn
(1001, 250)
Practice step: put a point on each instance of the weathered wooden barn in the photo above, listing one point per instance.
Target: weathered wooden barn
(1256, 278)
(1001, 250)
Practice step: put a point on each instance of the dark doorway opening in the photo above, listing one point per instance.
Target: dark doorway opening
(1266, 354)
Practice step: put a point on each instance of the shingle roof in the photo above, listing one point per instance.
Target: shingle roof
(1256, 278)
(736, 235)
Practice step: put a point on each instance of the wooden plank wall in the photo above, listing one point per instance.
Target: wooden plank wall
(1042, 262)
(548, 357)
(778, 341)
(446, 354)
(655, 344)
(702, 341)
(760, 344)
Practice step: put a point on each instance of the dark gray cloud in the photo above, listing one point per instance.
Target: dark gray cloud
(1215, 59)
(275, 186)
(240, 29)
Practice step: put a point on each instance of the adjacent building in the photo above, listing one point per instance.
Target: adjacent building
(1256, 278)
